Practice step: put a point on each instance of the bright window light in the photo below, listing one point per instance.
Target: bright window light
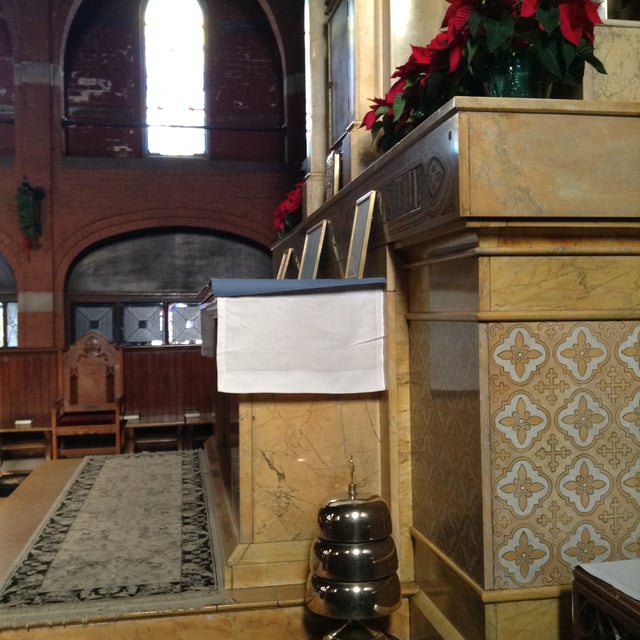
(174, 54)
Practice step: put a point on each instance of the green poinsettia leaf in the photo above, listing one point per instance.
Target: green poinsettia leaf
(567, 53)
(498, 32)
(375, 129)
(596, 64)
(435, 83)
(550, 56)
(382, 111)
(549, 19)
(574, 77)
(475, 23)
(399, 103)
(470, 52)
(585, 51)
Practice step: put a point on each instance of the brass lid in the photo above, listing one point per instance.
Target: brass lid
(354, 519)
(357, 520)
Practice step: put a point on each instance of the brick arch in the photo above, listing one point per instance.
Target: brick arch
(129, 222)
(11, 266)
(66, 12)
(11, 15)
(285, 19)
(15, 254)
(279, 19)
(256, 134)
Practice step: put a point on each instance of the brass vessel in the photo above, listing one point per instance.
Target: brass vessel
(353, 564)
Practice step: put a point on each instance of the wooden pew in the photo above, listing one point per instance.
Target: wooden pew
(168, 397)
(28, 391)
(170, 388)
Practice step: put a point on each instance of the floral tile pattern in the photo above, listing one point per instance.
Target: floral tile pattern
(565, 447)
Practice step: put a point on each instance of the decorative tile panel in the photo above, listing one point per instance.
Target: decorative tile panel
(565, 447)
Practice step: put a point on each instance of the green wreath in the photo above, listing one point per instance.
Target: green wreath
(28, 199)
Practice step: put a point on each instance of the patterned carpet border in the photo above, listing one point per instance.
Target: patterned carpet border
(26, 601)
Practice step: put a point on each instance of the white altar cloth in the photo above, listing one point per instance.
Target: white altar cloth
(623, 575)
(327, 341)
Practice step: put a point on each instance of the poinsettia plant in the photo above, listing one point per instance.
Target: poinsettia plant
(476, 38)
(289, 212)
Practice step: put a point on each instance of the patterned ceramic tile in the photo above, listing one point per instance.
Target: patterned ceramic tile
(565, 447)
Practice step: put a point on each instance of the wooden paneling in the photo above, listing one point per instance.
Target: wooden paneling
(28, 390)
(161, 383)
(28, 385)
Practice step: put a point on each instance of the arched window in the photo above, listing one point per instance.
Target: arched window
(174, 61)
(8, 306)
(163, 62)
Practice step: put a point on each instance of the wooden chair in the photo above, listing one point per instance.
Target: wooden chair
(87, 417)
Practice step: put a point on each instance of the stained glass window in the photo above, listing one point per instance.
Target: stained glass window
(184, 323)
(98, 318)
(142, 324)
(12, 324)
(8, 324)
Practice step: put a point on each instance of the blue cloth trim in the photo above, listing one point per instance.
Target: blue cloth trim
(238, 287)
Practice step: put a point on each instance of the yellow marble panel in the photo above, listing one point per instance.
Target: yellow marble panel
(618, 46)
(269, 574)
(262, 621)
(562, 283)
(262, 624)
(300, 453)
(276, 552)
(517, 165)
(245, 471)
(529, 619)
(450, 286)
(396, 416)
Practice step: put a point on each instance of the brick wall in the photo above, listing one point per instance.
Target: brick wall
(93, 192)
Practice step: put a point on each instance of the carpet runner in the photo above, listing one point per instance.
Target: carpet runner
(130, 533)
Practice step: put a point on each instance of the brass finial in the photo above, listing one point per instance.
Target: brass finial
(352, 484)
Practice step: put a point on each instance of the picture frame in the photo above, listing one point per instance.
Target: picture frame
(284, 264)
(333, 169)
(311, 251)
(360, 232)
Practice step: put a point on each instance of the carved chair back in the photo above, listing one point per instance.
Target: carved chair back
(91, 375)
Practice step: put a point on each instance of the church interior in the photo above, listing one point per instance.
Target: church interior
(501, 241)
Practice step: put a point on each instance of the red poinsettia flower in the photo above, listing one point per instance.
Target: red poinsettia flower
(369, 119)
(477, 41)
(387, 103)
(577, 18)
(288, 209)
